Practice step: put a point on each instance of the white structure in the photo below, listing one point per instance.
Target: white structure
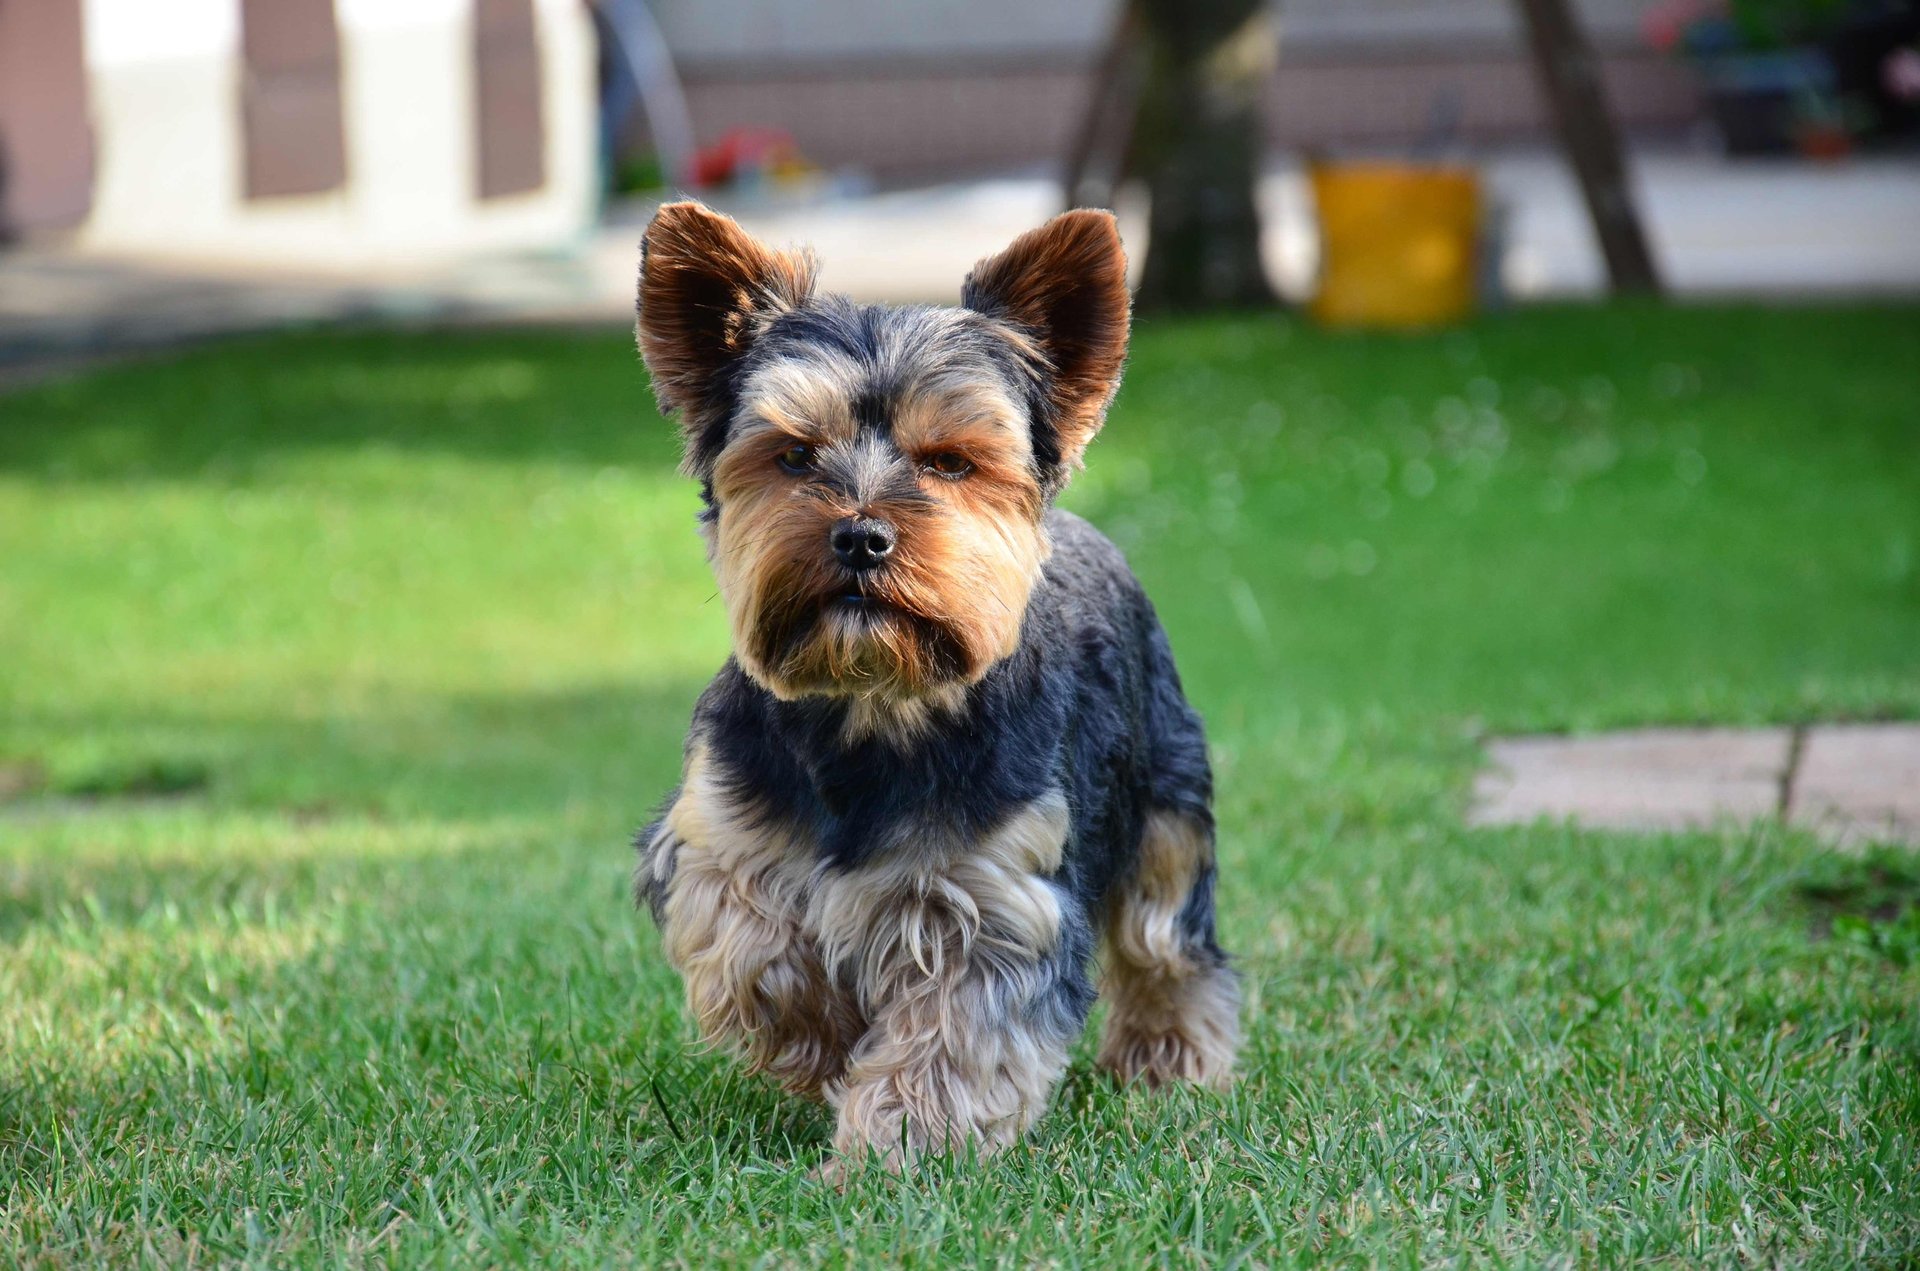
(168, 87)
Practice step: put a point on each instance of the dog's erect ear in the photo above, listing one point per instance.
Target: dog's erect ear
(1064, 286)
(707, 288)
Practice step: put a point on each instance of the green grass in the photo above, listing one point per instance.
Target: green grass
(335, 669)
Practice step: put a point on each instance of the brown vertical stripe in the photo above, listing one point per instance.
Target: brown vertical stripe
(509, 126)
(46, 139)
(290, 98)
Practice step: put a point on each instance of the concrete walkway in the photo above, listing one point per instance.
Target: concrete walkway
(62, 310)
(1853, 783)
(1719, 227)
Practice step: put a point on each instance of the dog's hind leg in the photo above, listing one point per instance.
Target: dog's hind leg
(1174, 1004)
(1174, 1011)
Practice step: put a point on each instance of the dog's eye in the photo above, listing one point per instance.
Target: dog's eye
(797, 458)
(949, 465)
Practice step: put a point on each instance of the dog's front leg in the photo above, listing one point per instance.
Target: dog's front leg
(972, 972)
(955, 1063)
(727, 894)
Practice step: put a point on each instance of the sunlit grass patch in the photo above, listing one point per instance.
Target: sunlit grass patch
(336, 669)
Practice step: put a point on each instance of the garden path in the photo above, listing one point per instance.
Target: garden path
(1853, 783)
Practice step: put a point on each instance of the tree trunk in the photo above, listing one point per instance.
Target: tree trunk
(1199, 148)
(1102, 144)
(1570, 74)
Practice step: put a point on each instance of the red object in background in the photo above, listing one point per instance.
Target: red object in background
(1825, 143)
(742, 151)
(1664, 26)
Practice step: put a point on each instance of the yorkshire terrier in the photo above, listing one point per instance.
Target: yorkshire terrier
(950, 746)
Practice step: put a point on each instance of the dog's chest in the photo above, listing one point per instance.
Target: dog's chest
(922, 895)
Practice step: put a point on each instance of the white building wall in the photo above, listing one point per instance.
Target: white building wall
(165, 81)
(756, 30)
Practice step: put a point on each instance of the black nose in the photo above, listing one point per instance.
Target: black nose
(861, 543)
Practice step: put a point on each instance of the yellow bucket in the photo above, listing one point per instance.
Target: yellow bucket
(1399, 243)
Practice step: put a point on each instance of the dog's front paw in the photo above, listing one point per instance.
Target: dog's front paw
(838, 1168)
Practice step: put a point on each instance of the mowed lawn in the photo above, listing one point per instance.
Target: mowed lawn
(336, 669)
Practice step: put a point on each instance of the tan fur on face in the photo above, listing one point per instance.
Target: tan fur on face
(968, 554)
(1175, 1014)
(732, 925)
(952, 601)
(945, 955)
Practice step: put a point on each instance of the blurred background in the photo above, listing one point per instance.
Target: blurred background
(203, 165)
(1499, 368)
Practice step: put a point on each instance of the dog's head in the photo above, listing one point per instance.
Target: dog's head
(876, 477)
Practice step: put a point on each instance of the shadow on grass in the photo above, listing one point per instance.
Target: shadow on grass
(292, 802)
(415, 918)
(453, 757)
(1870, 902)
(575, 1114)
(1878, 886)
(219, 413)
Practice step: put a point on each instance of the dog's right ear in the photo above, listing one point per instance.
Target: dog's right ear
(707, 288)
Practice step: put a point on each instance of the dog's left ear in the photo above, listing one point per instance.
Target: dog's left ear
(1064, 286)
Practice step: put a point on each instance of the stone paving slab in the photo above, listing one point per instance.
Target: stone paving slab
(1653, 779)
(1860, 782)
(1850, 783)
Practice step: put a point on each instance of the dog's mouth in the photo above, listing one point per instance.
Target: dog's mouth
(864, 610)
(853, 636)
(862, 602)
(844, 608)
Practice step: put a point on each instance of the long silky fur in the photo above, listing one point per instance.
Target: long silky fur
(916, 798)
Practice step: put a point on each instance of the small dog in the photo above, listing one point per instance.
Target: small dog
(950, 746)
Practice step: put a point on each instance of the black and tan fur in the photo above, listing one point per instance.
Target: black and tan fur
(950, 753)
